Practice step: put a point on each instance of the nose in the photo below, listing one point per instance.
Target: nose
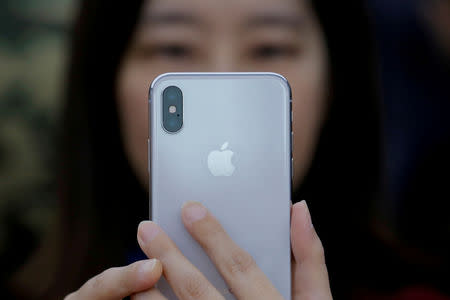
(223, 58)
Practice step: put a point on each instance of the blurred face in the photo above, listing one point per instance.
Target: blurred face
(280, 36)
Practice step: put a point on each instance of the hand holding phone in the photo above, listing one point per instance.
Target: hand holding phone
(244, 278)
(309, 274)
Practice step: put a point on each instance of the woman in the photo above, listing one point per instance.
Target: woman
(322, 47)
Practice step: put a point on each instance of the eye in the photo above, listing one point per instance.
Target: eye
(271, 51)
(173, 51)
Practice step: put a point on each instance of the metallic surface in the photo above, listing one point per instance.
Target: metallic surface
(252, 112)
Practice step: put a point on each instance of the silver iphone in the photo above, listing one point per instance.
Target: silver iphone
(224, 139)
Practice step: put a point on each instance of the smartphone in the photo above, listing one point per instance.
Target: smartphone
(224, 139)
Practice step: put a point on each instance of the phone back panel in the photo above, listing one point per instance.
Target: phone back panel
(250, 115)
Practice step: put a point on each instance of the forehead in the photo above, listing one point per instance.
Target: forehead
(224, 10)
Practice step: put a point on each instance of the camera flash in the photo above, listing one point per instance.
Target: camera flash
(172, 109)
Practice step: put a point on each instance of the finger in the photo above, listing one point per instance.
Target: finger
(118, 283)
(185, 279)
(310, 276)
(152, 294)
(243, 276)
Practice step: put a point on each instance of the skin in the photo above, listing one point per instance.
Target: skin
(280, 36)
(237, 267)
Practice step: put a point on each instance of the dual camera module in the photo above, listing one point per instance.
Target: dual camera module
(172, 109)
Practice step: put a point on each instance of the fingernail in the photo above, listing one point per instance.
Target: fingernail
(147, 232)
(307, 218)
(148, 266)
(192, 212)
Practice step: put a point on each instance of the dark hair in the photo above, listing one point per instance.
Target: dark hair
(98, 185)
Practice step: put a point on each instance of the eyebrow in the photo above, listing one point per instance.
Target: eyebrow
(171, 18)
(291, 21)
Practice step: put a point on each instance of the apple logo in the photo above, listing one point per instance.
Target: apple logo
(219, 162)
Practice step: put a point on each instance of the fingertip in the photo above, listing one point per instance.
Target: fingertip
(157, 269)
(302, 230)
(141, 224)
(148, 266)
(192, 211)
(144, 223)
(147, 231)
(190, 202)
(301, 205)
(301, 216)
(150, 271)
(310, 271)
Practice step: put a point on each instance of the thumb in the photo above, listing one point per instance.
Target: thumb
(310, 276)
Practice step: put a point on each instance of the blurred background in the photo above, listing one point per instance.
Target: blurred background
(413, 38)
(33, 35)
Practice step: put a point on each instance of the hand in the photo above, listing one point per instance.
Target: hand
(237, 267)
(118, 283)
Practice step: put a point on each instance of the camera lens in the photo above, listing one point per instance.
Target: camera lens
(171, 125)
(172, 93)
(172, 101)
